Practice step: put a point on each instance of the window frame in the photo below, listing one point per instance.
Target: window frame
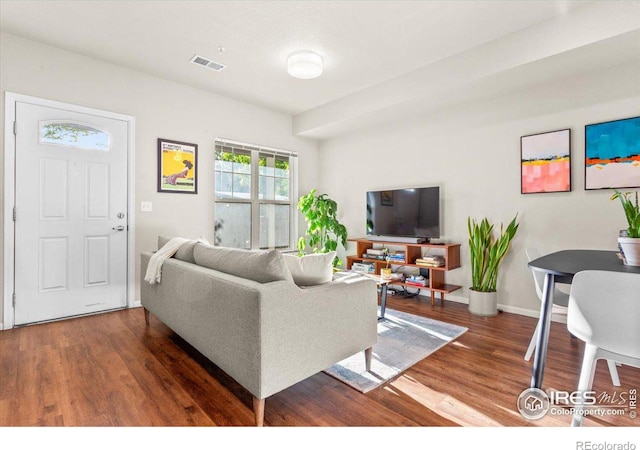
(254, 201)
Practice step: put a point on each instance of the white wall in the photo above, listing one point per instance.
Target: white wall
(161, 109)
(473, 152)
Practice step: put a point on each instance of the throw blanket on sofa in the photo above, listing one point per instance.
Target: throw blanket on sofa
(154, 269)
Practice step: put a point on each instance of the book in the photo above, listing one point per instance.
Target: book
(430, 262)
(363, 267)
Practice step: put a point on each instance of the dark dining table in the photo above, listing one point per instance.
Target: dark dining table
(560, 267)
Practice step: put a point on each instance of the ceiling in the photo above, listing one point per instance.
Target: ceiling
(377, 54)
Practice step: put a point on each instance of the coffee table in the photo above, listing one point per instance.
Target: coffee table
(382, 283)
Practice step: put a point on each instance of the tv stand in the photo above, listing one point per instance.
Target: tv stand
(413, 251)
(403, 239)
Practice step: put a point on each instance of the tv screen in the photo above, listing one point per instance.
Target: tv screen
(411, 212)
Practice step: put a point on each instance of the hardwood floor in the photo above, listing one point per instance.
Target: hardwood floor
(113, 370)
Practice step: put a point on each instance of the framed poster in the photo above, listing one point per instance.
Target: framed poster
(545, 162)
(177, 167)
(612, 154)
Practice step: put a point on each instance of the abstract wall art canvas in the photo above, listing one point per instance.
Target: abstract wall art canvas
(546, 162)
(612, 154)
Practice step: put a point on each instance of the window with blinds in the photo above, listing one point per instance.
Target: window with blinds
(255, 191)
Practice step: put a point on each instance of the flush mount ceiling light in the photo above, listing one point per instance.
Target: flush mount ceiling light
(304, 65)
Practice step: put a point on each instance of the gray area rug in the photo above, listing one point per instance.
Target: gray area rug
(403, 340)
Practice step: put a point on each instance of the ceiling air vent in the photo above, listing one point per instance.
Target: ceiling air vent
(205, 62)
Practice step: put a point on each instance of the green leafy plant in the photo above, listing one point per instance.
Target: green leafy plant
(487, 252)
(388, 260)
(324, 230)
(631, 211)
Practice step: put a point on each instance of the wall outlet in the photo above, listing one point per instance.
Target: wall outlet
(146, 206)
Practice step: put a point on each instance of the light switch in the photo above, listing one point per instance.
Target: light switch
(146, 206)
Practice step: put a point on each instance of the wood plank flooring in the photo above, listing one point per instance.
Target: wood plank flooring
(112, 370)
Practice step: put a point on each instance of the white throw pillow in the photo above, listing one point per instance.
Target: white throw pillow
(309, 270)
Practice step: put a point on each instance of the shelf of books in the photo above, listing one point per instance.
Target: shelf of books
(404, 259)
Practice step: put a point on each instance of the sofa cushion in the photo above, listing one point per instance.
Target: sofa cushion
(310, 270)
(185, 252)
(262, 266)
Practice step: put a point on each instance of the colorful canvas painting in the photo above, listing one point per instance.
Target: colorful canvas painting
(546, 162)
(177, 167)
(612, 154)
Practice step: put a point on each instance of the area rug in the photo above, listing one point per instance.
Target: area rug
(403, 340)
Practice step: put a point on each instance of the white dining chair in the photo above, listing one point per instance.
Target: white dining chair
(560, 303)
(604, 312)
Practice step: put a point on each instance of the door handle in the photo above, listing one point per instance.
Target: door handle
(118, 228)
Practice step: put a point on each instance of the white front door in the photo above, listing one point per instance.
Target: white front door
(71, 213)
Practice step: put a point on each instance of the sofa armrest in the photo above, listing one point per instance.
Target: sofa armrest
(304, 331)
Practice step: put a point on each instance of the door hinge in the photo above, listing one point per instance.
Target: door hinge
(15, 128)
(14, 213)
(13, 300)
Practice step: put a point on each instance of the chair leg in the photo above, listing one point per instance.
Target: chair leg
(367, 358)
(532, 344)
(586, 381)
(146, 315)
(613, 371)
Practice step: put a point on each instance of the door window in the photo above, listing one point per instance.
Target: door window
(73, 134)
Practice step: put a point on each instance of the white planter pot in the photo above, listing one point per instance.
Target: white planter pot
(631, 249)
(483, 303)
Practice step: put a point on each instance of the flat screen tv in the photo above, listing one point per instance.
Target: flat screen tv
(411, 212)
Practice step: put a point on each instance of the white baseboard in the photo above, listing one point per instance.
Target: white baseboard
(136, 304)
(531, 313)
(505, 308)
(1, 326)
(519, 311)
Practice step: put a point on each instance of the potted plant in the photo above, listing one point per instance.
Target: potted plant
(324, 230)
(630, 244)
(487, 253)
(385, 272)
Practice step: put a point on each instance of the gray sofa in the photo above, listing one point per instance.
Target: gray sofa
(242, 310)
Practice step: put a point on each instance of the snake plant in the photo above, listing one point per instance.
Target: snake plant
(631, 211)
(488, 252)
